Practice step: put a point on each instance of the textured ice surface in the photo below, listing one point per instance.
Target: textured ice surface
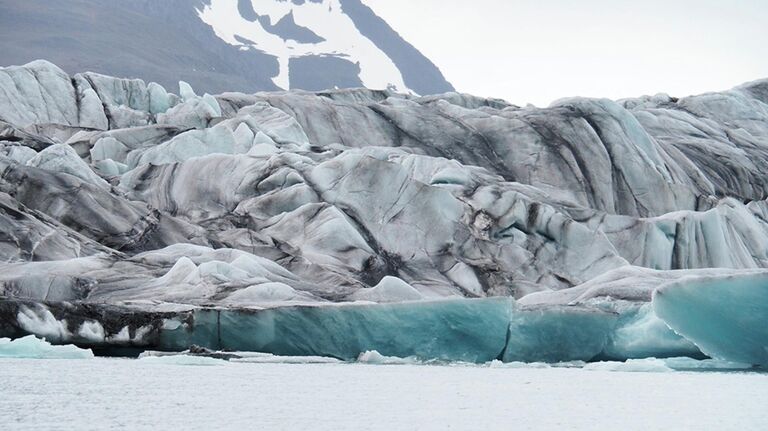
(143, 219)
(34, 348)
(62, 158)
(724, 316)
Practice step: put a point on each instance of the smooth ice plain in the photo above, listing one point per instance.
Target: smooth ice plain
(146, 394)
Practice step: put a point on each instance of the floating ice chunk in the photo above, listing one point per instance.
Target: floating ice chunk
(724, 316)
(374, 357)
(182, 360)
(515, 364)
(31, 347)
(63, 158)
(690, 364)
(647, 365)
(389, 289)
(556, 334)
(267, 358)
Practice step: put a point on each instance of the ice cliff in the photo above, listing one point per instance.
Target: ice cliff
(338, 222)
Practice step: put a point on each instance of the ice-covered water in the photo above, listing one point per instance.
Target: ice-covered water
(164, 394)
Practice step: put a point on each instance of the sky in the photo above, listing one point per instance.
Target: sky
(537, 51)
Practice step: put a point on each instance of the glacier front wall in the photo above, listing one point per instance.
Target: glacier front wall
(727, 317)
(467, 330)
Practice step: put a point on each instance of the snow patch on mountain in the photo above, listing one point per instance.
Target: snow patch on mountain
(312, 28)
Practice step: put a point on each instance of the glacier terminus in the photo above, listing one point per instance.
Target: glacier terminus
(337, 223)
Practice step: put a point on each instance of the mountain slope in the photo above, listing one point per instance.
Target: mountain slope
(219, 45)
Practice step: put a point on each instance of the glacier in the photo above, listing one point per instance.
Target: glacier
(333, 223)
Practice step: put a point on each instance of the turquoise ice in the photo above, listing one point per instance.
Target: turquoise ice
(726, 317)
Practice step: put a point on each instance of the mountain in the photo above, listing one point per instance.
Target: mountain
(336, 222)
(219, 45)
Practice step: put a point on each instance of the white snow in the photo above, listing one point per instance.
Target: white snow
(43, 324)
(374, 357)
(389, 289)
(325, 19)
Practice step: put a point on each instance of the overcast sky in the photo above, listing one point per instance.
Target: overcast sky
(536, 51)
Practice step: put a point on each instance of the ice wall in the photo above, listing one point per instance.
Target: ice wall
(724, 316)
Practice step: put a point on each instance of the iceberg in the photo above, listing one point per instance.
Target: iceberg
(182, 360)
(647, 365)
(31, 347)
(267, 358)
(373, 357)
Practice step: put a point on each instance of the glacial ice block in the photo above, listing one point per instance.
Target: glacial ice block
(452, 330)
(557, 334)
(31, 347)
(725, 316)
(639, 333)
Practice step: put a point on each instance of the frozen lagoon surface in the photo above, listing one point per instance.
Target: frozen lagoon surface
(132, 394)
